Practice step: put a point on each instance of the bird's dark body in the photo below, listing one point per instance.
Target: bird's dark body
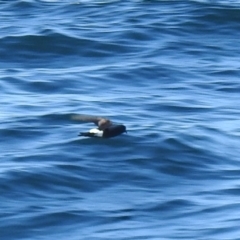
(114, 131)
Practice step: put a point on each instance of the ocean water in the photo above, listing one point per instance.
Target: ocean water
(169, 71)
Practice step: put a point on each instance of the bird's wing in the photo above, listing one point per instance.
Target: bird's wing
(86, 118)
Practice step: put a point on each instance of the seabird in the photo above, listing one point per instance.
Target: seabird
(106, 128)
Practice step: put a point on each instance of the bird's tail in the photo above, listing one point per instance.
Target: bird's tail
(86, 134)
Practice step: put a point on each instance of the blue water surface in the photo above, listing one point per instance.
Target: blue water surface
(169, 71)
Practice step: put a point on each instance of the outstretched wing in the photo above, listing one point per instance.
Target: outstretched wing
(86, 118)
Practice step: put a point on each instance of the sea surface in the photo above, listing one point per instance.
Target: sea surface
(169, 71)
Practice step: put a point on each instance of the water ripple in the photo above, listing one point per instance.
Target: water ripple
(168, 70)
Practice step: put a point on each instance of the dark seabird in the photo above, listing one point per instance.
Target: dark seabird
(106, 128)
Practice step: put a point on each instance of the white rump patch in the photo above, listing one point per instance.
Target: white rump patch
(97, 132)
